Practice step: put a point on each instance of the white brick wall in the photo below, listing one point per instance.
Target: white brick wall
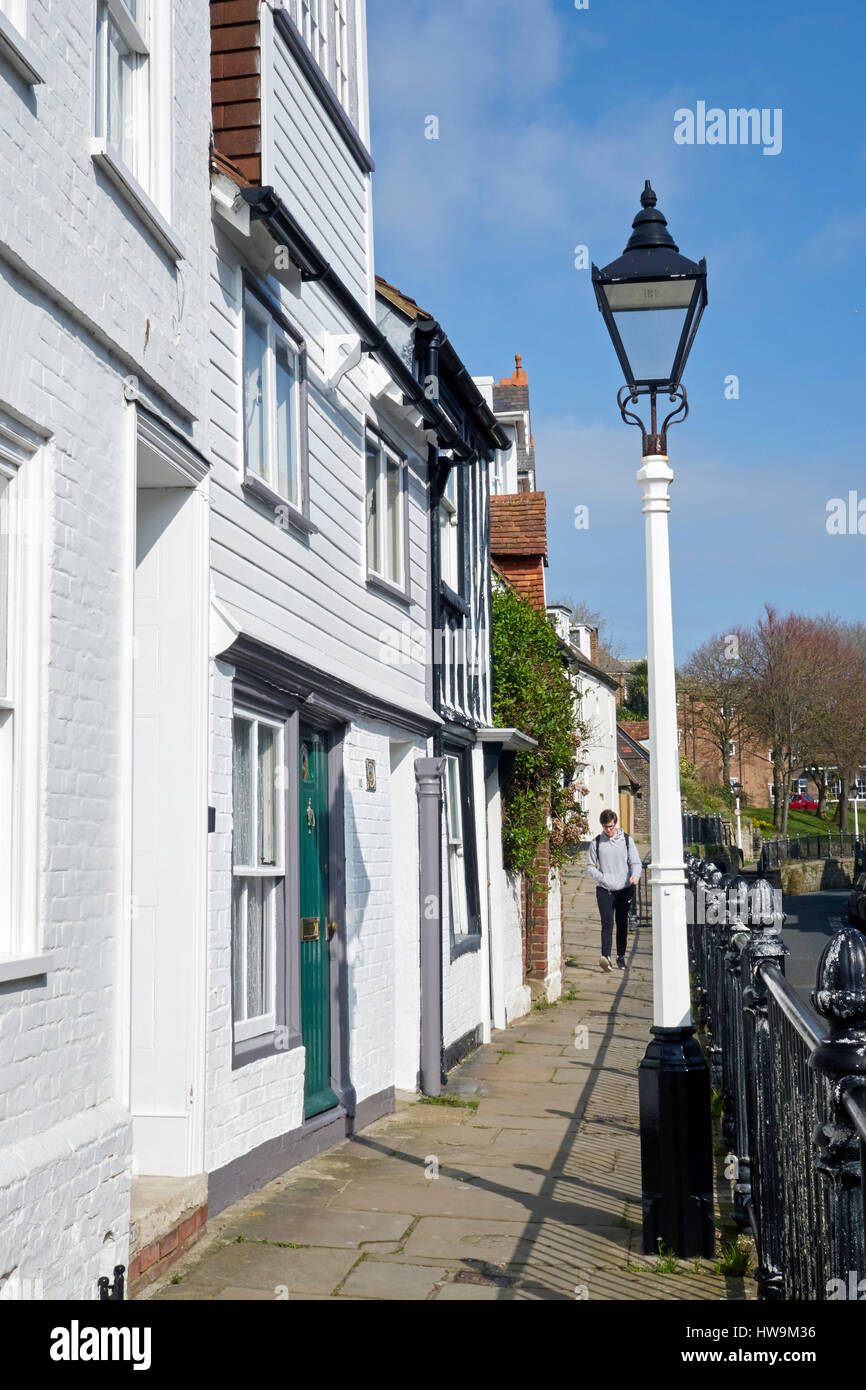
(464, 993)
(518, 996)
(63, 221)
(264, 1099)
(85, 299)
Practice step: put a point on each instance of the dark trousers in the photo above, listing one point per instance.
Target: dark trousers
(614, 906)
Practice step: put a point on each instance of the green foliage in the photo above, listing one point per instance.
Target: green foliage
(736, 1257)
(666, 1262)
(697, 796)
(637, 693)
(450, 1099)
(532, 692)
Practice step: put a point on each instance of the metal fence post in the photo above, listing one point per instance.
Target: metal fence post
(764, 944)
(735, 1124)
(840, 997)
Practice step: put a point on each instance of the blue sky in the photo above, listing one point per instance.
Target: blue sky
(550, 119)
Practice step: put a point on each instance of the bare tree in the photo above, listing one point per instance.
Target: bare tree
(713, 677)
(610, 653)
(844, 693)
(783, 659)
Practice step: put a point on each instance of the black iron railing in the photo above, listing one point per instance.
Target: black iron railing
(780, 851)
(643, 901)
(792, 1082)
(705, 830)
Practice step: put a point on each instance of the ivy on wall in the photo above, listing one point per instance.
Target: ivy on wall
(532, 692)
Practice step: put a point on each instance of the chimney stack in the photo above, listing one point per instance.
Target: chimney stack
(593, 645)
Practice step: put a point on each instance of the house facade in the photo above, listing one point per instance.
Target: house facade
(598, 771)
(103, 477)
(472, 976)
(251, 877)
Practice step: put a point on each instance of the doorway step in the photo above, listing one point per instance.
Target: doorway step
(168, 1215)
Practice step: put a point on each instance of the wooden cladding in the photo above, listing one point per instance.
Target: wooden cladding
(236, 84)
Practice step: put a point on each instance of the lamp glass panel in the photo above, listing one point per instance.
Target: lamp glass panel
(650, 339)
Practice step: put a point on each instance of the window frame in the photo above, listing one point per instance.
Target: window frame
(135, 32)
(450, 506)
(15, 45)
(332, 48)
(23, 465)
(460, 758)
(247, 1029)
(378, 578)
(267, 311)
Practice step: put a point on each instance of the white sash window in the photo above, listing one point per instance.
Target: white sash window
(23, 518)
(258, 869)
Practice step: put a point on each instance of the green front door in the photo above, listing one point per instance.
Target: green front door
(315, 923)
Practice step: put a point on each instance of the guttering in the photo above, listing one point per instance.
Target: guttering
(466, 387)
(266, 206)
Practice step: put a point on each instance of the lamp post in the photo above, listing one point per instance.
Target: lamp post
(738, 791)
(652, 299)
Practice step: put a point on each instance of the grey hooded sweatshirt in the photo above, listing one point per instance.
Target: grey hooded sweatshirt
(612, 866)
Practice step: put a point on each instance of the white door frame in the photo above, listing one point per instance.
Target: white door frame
(182, 467)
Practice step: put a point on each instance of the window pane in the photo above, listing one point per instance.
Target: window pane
(121, 77)
(255, 428)
(239, 998)
(455, 832)
(255, 950)
(242, 792)
(268, 742)
(4, 586)
(373, 557)
(394, 522)
(448, 545)
(287, 425)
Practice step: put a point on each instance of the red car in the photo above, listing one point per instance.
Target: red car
(802, 803)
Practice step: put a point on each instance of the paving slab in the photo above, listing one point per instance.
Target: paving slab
(538, 1193)
(397, 1283)
(335, 1227)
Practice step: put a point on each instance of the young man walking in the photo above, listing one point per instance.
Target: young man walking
(615, 865)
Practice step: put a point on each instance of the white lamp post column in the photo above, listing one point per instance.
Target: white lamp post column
(667, 877)
(651, 299)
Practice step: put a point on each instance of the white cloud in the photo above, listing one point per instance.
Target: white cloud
(518, 151)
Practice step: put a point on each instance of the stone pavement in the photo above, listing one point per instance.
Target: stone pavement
(527, 1188)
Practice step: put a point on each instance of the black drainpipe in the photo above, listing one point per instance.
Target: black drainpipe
(431, 952)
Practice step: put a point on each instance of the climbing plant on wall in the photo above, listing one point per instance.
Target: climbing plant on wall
(532, 692)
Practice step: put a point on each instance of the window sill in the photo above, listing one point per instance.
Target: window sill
(263, 1046)
(389, 589)
(289, 515)
(14, 968)
(255, 1028)
(20, 53)
(462, 945)
(452, 599)
(142, 205)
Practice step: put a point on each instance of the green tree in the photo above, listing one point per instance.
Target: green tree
(637, 692)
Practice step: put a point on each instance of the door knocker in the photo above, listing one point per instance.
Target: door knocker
(311, 816)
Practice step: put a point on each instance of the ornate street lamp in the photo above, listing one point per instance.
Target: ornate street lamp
(652, 299)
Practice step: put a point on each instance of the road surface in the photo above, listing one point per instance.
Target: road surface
(810, 920)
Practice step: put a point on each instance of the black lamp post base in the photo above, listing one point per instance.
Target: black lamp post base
(676, 1145)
